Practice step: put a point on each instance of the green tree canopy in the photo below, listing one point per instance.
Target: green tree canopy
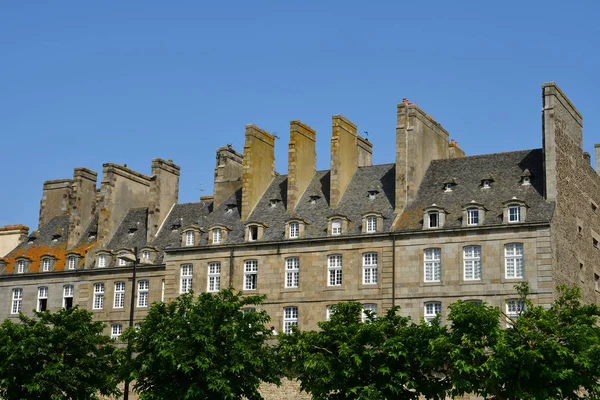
(203, 348)
(62, 355)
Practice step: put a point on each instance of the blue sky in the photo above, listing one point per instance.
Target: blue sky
(85, 83)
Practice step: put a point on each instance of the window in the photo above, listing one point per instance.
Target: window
(252, 233)
(214, 276)
(472, 216)
(290, 318)
(68, 291)
(250, 274)
(143, 288)
(42, 298)
(336, 227)
(433, 265)
(146, 255)
(514, 214)
(329, 312)
(485, 183)
(294, 230)
(20, 267)
(292, 272)
(116, 331)
(334, 269)
(98, 296)
(370, 268)
(368, 307)
(433, 219)
(216, 236)
(432, 310)
(189, 238)
(186, 278)
(248, 310)
(46, 262)
(514, 308)
(71, 262)
(122, 262)
(596, 282)
(102, 261)
(472, 263)
(119, 295)
(371, 224)
(162, 291)
(513, 259)
(447, 187)
(17, 301)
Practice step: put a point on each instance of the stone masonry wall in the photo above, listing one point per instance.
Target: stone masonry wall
(344, 157)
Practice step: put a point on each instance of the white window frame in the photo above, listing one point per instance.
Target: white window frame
(370, 268)
(217, 235)
(472, 216)
(214, 277)
(370, 307)
(329, 312)
(46, 264)
(189, 238)
(119, 301)
(294, 230)
(186, 274)
(42, 295)
(433, 216)
(68, 293)
(143, 293)
(71, 262)
(472, 263)
(290, 318)
(431, 309)
(292, 272)
(432, 269)
(146, 255)
(20, 267)
(17, 301)
(371, 224)
(122, 262)
(514, 260)
(514, 308)
(116, 330)
(514, 216)
(250, 274)
(162, 291)
(102, 261)
(336, 227)
(334, 270)
(98, 296)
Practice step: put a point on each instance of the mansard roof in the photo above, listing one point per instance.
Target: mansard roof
(506, 168)
(132, 230)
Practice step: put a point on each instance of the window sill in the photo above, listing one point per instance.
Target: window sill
(439, 283)
(292, 289)
(333, 288)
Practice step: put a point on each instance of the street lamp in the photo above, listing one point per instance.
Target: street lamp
(132, 258)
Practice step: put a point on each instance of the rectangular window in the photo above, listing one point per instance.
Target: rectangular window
(143, 289)
(371, 224)
(189, 238)
(186, 278)
(98, 296)
(250, 274)
(290, 318)
(146, 255)
(370, 268)
(328, 312)
(68, 292)
(472, 216)
(513, 259)
(71, 262)
(42, 298)
(336, 227)
(248, 310)
(432, 310)
(596, 282)
(214, 276)
(514, 214)
(122, 262)
(101, 261)
(17, 301)
(45, 265)
(472, 263)
(292, 272)
(119, 295)
(434, 220)
(334, 269)
(216, 236)
(294, 230)
(368, 307)
(20, 267)
(252, 233)
(116, 331)
(433, 265)
(162, 291)
(514, 308)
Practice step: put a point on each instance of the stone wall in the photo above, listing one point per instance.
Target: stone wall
(344, 157)
(302, 162)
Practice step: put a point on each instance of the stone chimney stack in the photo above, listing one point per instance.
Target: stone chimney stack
(419, 140)
(597, 157)
(365, 152)
(55, 199)
(82, 203)
(228, 174)
(302, 162)
(259, 167)
(344, 157)
(11, 236)
(454, 151)
(164, 192)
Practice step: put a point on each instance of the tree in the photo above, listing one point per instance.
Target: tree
(207, 348)
(381, 358)
(62, 355)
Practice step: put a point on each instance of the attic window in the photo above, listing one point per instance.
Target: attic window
(274, 202)
(433, 219)
(132, 230)
(447, 187)
(313, 199)
(31, 239)
(229, 208)
(92, 235)
(373, 194)
(55, 238)
(253, 233)
(486, 183)
(175, 227)
(526, 178)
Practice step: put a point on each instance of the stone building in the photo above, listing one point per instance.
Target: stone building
(430, 228)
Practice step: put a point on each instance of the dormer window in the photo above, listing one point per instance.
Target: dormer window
(189, 238)
(486, 182)
(55, 238)
(449, 185)
(102, 261)
(514, 211)
(20, 267)
(514, 214)
(146, 255)
(175, 227)
(252, 233)
(473, 214)
(46, 264)
(433, 217)
(314, 198)
(92, 235)
(336, 227)
(122, 262)
(372, 194)
(132, 230)
(294, 230)
(372, 222)
(274, 202)
(217, 235)
(71, 262)
(31, 239)
(229, 208)
(526, 178)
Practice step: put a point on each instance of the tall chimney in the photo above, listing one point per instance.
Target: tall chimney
(228, 174)
(11, 236)
(82, 204)
(302, 162)
(259, 167)
(55, 199)
(597, 157)
(365, 152)
(344, 157)
(164, 192)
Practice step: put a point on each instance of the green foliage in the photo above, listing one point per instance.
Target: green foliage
(206, 348)
(62, 355)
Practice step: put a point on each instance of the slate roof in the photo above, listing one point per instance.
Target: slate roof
(131, 231)
(506, 170)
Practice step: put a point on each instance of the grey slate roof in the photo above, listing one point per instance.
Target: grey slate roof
(46, 236)
(90, 234)
(505, 169)
(131, 231)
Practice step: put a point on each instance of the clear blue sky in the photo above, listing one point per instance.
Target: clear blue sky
(84, 83)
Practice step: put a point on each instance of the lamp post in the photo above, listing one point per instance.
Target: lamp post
(133, 258)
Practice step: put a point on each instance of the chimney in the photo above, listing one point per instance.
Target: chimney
(259, 167)
(302, 162)
(344, 157)
(228, 174)
(454, 151)
(597, 157)
(365, 152)
(419, 140)
(55, 199)
(164, 192)
(559, 118)
(10, 237)
(120, 190)
(82, 203)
